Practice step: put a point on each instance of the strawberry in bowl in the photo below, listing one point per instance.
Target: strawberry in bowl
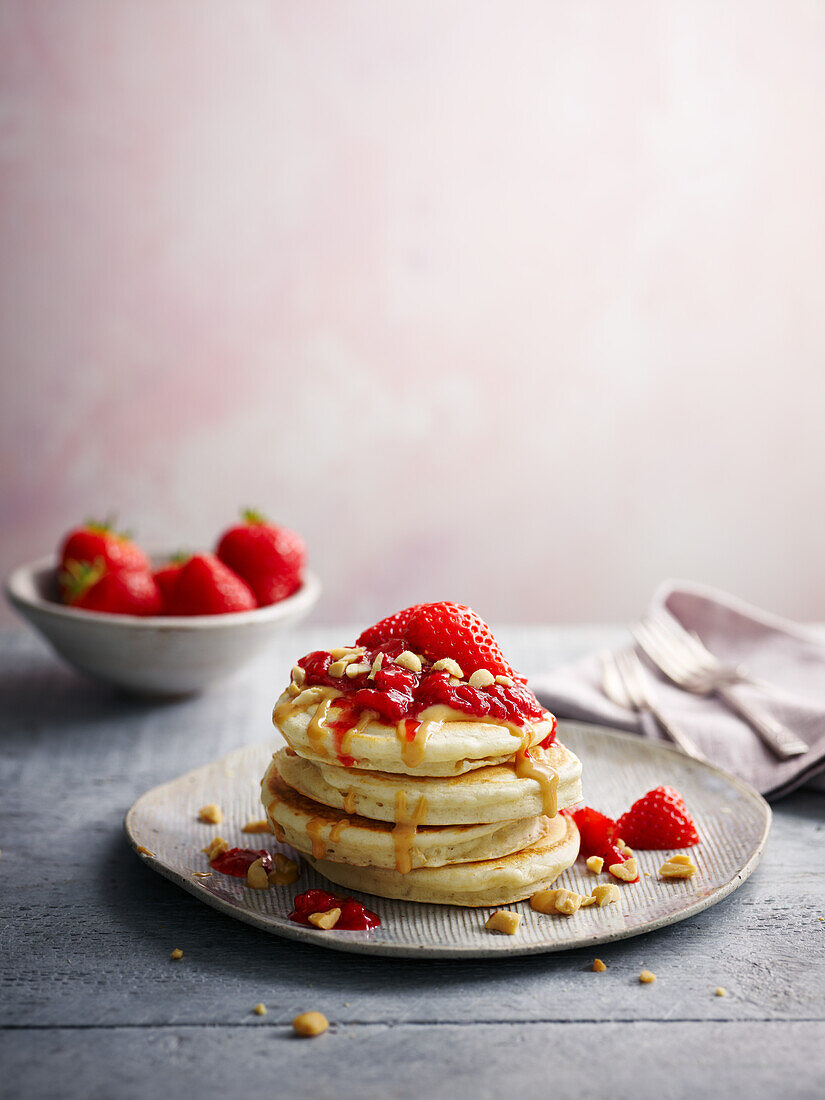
(164, 624)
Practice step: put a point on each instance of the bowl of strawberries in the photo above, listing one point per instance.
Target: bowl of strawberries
(165, 624)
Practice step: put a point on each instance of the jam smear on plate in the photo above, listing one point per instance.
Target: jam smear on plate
(355, 917)
(237, 861)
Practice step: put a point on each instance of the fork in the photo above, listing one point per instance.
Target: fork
(623, 682)
(687, 663)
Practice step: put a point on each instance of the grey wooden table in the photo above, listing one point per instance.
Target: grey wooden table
(91, 1005)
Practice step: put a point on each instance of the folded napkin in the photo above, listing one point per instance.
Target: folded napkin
(787, 660)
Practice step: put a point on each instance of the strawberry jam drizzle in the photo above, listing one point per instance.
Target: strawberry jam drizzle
(396, 693)
(237, 861)
(411, 728)
(354, 916)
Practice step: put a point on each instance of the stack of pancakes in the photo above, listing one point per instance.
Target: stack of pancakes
(449, 809)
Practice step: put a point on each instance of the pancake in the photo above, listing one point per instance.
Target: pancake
(326, 833)
(481, 795)
(499, 881)
(443, 743)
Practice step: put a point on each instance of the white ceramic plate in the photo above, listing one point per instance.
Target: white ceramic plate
(732, 819)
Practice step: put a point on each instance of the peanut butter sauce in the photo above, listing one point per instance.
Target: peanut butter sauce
(544, 775)
(314, 828)
(406, 825)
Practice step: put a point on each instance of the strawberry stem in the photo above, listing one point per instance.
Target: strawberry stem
(79, 576)
(253, 516)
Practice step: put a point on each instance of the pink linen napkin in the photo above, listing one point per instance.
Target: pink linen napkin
(787, 660)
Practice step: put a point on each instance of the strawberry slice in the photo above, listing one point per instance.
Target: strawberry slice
(659, 819)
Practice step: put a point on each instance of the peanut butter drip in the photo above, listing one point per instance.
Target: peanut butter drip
(314, 828)
(406, 825)
(349, 801)
(316, 730)
(319, 697)
(413, 748)
(337, 829)
(544, 775)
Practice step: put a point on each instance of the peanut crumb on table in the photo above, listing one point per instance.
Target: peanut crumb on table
(309, 1024)
(599, 966)
(721, 991)
(176, 954)
(647, 976)
(260, 1009)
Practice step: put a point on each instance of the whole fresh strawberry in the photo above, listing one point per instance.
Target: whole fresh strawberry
(94, 540)
(392, 628)
(95, 587)
(439, 630)
(269, 558)
(166, 578)
(659, 819)
(205, 586)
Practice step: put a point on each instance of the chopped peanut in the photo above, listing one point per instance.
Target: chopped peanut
(285, 872)
(647, 976)
(261, 825)
(721, 991)
(599, 966)
(145, 851)
(447, 664)
(357, 669)
(211, 814)
(216, 848)
(544, 901)
(481, 678)
(298, 675)
(587, 902)
(347, 651)
(376, 664)
(626, 871)
(677, 867)
(325, 920)
(256, 876)
(503, 921)
(595, 864)
(176, 954)
(310, 1024)
(608, 894)
(259, 1010)
(556, 901)
(567, 902)
(338, 668)
(410, 661)
(505, 681)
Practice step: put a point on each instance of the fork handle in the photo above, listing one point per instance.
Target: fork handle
(676, 734)
(777, 737)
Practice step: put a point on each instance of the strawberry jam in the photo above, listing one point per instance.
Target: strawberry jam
(354, 916)
(237, 861)
(396, 693)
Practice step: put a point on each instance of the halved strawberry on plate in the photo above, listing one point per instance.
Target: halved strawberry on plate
(659, 819)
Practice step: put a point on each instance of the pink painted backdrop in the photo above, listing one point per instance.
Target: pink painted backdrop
(519, 304)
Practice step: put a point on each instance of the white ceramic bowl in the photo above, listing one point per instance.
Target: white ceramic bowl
(160, 655)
